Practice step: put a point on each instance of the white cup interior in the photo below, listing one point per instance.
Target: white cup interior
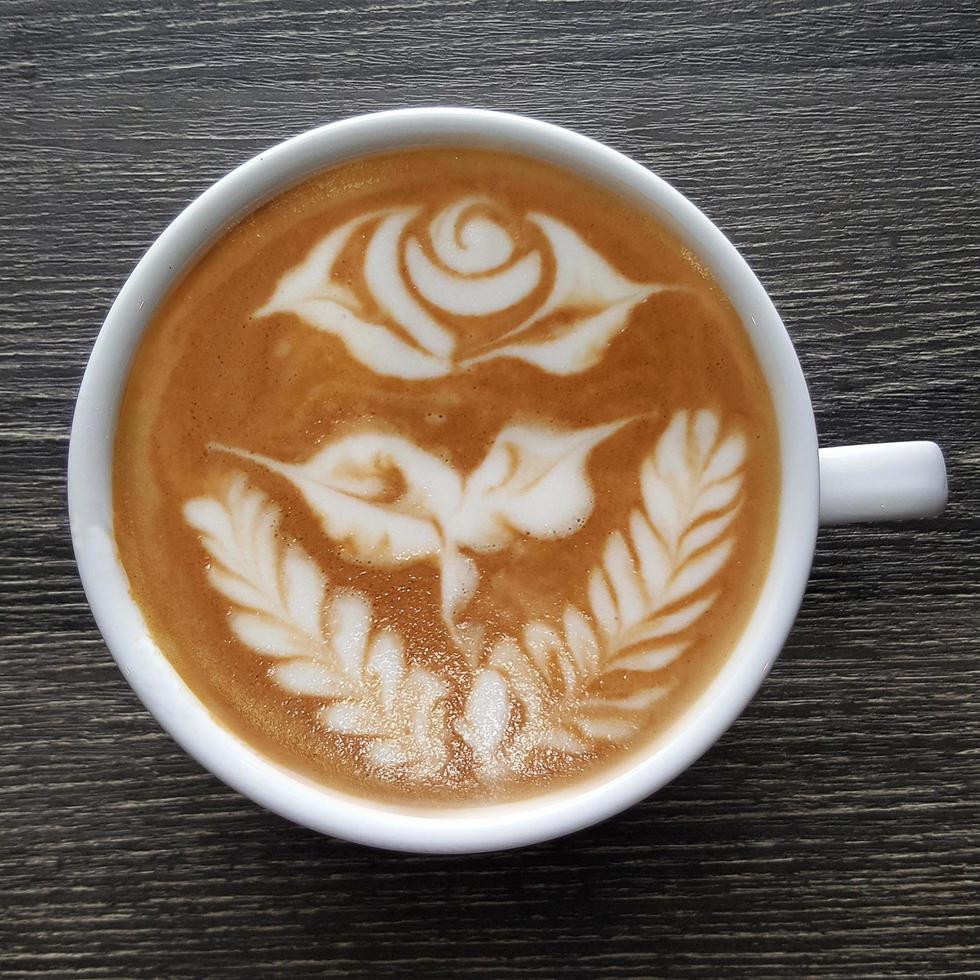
(471, 828)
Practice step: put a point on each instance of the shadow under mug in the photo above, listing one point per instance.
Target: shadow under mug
(853, 483)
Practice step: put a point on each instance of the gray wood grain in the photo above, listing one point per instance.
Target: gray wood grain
(833, 831)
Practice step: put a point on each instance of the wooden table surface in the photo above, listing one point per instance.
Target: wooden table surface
(834, 830)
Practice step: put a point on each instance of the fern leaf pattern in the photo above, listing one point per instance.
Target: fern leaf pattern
(651, 586)
(323, 640)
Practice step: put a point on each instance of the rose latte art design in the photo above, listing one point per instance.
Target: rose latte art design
(384, 501)
(396, 317)
(446, 490)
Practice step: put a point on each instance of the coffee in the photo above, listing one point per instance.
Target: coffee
(447, 476)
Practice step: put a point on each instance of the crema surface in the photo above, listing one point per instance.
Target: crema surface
(446, 476)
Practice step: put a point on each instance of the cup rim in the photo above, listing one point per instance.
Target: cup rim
(459, 829)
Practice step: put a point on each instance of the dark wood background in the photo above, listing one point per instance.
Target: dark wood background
(834, 830)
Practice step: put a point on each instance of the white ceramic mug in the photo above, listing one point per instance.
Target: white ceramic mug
(899, 480)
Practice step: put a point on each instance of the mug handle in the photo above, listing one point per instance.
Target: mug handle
(889, 481)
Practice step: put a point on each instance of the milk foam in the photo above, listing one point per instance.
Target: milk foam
(646, 590)
(471, 268)
(532, 483)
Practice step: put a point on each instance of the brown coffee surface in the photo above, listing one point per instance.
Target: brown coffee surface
(415, 567)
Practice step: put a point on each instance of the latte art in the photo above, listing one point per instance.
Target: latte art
(532, 483)
(637, 618)
(392, 317)
(446, 489)
(326, 641)
(472, 274)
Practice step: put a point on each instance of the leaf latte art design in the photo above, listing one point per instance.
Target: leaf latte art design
(650, 587)
(532, 482)
(323, 640)
(541, 690)
(421, 291)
